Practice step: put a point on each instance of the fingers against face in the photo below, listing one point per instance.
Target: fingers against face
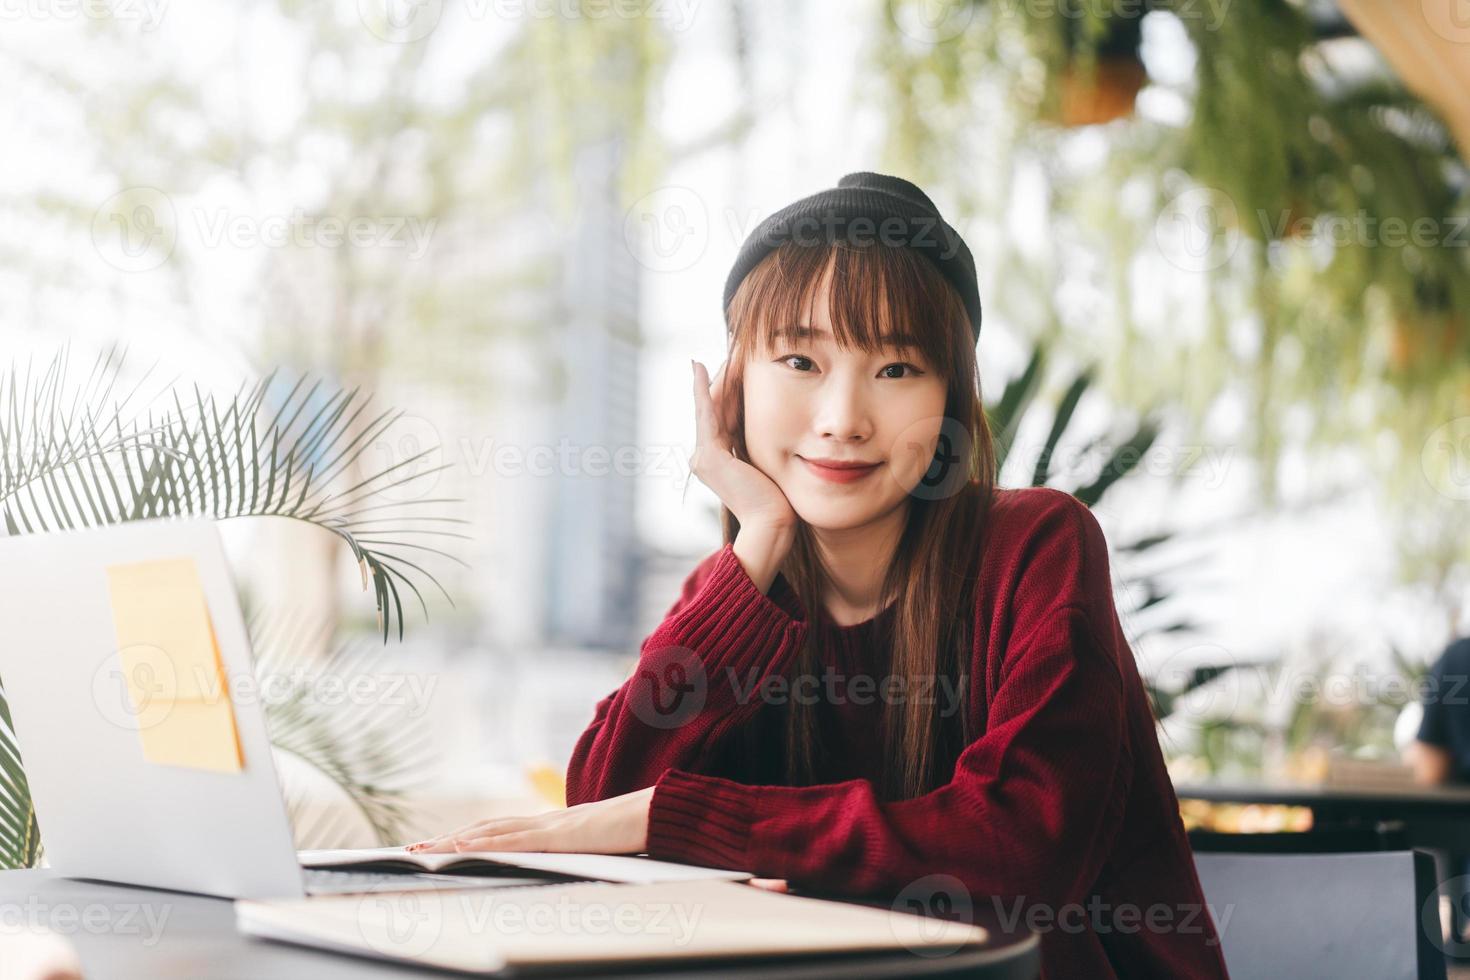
(720, 396)
(712, 406)
(703, 416)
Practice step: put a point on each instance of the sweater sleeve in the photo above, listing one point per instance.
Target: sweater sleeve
(694, 683)
(1034, 801)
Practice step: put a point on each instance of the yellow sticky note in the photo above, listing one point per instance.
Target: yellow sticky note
(172, 667)
(164, 635)
(196, 734)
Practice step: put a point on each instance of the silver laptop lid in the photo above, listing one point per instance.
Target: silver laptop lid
(105, 810)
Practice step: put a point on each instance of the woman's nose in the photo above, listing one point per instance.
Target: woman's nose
(842, 412)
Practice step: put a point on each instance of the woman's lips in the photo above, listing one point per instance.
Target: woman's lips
(838, 475)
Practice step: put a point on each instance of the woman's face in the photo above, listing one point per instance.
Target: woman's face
(807, 400)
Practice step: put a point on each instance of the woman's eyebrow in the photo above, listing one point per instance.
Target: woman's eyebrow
(799, 332)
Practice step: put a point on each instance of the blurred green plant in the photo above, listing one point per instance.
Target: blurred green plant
(1293, 164)
(73, 457)
(372, 752)
(1017, 402)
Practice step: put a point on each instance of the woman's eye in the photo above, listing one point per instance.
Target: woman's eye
(913, 371)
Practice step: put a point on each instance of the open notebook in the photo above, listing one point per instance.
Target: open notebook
(565, 926)
(598, 867)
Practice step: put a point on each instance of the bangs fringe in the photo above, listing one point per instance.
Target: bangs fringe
(875, 292)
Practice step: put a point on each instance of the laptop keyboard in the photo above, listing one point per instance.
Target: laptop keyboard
(325, 881)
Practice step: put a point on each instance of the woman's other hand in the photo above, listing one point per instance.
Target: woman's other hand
(616, 825)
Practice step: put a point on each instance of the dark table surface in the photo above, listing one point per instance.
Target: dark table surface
(1445, 799)
(1431, 816)
(126, 933)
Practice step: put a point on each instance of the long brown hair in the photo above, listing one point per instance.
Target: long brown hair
(877, 289)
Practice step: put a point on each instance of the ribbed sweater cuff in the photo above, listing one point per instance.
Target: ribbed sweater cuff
(740, 633)
(696, 819)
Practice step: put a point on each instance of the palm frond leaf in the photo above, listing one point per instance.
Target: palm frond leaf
(371, 750)
(20, 838)
(1006, 414)
(95, 453)
(1060, 421)
(256, 454)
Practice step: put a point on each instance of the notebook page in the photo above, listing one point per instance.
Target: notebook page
(587, 922)
(601, 867)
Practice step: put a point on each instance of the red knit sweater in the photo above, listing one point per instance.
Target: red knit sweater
(1060, 809)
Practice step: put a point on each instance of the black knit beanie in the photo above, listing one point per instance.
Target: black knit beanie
(864, 209)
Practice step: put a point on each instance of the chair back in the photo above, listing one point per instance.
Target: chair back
(1365, 914)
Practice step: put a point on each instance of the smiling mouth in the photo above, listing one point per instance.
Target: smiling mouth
(839, 474)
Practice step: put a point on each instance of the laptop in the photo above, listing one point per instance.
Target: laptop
(105, 810)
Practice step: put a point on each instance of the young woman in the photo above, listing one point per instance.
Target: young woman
(893, 678)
